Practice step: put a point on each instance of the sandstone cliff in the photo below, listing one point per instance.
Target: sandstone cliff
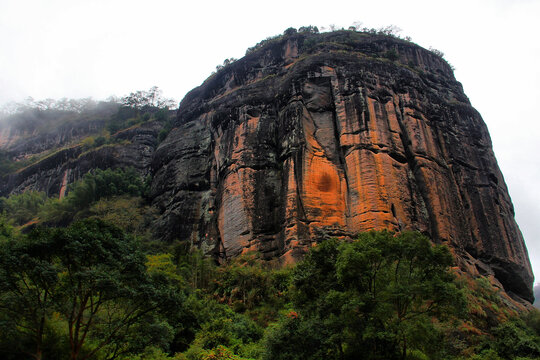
(312, 136)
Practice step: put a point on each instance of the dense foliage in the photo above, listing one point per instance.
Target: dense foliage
(91, 290)
(23, 207)
(85, 285)
(98, 184)
(375, 297)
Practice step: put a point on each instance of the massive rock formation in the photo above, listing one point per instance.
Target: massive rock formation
(311, 136)
(308, 136)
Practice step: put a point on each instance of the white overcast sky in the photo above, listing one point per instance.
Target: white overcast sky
(98, 48)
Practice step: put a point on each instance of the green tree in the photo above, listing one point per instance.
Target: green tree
(295, 338)
(127, 212)
(28, 278)
(374, 296)
(95, 185)
(514, 339)
(21, 208)
(95, 278)
(152, 98)
(223, 327)
(7, 165)
(6, 230)
(403, 280)
(221, 353)
(248, 283)
(309, 29)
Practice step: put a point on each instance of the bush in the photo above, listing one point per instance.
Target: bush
(391, 54)
(249, 285)
(162, 135)
(220, 326)
(125, 211)
(7, 165)
(513, 338)
(94, 186)
(22, 208)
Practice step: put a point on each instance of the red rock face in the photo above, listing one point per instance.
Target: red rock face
(291, 145)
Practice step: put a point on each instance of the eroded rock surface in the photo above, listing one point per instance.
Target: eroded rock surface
(133, 147)
(323, 135)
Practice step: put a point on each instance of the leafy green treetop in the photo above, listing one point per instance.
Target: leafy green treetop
(373, 297)
(152, 98)
(94, 277)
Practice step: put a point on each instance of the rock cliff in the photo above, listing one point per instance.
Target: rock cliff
(56, 139)
(318, 135)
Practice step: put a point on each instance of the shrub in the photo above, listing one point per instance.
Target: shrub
(391, 55)
(249, 285)
(513, 338)
(94, 186)
(24, 207)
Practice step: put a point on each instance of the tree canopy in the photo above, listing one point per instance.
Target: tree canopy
(151, 98)
(373, 296)
(91, 275)
(89, 291)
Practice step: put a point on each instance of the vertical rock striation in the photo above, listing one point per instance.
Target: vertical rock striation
(312, 136)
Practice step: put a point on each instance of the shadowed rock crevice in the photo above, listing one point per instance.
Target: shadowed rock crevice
(418, 180)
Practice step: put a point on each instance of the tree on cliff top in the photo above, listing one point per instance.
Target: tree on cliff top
(152, 98)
